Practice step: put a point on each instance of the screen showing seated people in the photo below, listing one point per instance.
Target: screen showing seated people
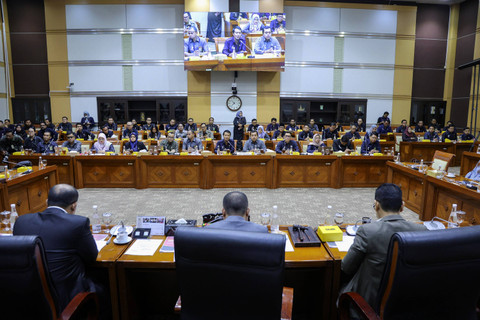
(234, 41)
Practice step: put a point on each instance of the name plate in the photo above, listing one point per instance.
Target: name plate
(156, 224)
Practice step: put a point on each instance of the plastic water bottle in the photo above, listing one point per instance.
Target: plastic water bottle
(478, 149)
(40, 163)
(274, 227)
(96, 226)
(13, 215)
(329, 216)
(234, 54)
(452, 219)
(323, 150)
(421, 166)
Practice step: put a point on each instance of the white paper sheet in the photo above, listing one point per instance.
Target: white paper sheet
(144, 247)
(100, 244)
(345, 244)
(288, 245)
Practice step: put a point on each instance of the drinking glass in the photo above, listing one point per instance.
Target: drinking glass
(107, 220)
(461, 217)
(6, 220)
(44, 163)
(338, 218)
(265, 218)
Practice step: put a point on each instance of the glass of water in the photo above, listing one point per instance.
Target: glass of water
(265, 218)
(107, 220)
(5, 215)
(338, 218)
(461, 215)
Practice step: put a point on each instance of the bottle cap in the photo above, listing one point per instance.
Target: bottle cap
(95, 207)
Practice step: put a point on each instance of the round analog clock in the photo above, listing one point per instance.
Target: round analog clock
(234, 103)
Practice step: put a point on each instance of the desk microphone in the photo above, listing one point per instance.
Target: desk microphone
(435, 225)
(245, 43)
(26, 163)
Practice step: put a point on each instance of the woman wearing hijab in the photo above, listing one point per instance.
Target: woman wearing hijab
(254, 26)
(408, 135)
(373, 129)
(87, 121)
(316, 144)
(20, 132)
(262, 134)
(134, 145)
(239, 126)
(102, 145)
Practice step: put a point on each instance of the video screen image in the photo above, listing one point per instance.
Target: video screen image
(234, 41)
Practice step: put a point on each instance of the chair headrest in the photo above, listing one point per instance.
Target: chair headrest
(236, 247)
(438, 246)
(20, 251)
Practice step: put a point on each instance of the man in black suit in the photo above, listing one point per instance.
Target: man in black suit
(236, 214)
(67, 239)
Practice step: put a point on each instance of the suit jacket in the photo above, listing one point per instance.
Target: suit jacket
(237, 223)
(366, 258)
(69, 247)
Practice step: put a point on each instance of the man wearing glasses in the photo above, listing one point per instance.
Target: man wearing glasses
(71, 144)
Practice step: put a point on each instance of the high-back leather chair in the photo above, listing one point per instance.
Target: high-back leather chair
(26, 289)
(428, 275)
(226, 274)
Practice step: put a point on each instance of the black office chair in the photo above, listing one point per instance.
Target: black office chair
(225, 274)
(26, 289)
(429, 275)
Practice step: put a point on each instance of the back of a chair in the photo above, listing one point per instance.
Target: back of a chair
(26, 290)
(226, 274)
(442, 160)
(432, 275)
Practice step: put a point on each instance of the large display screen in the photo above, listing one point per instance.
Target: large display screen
(234, 41)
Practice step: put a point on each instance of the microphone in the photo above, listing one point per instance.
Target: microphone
(352, 230)
(245, 43)
(435, 225)
(26, 163)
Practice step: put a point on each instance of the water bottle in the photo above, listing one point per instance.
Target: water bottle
(452, 219)
(323, 150)
(96, 226)
(13, 215)
(478, 149)
(40, 163)
(234, 54)
(421, 166)
(274, 227)
(329, 216)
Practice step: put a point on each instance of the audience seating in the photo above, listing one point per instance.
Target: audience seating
(428, 275)
(26, 289)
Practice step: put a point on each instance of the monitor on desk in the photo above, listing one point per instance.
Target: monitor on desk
(234, 41)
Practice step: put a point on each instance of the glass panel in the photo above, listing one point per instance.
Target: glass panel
(286, 112)
(164, 109)
(180, 111)
(119, 112)
(104, 111)
(302, 108)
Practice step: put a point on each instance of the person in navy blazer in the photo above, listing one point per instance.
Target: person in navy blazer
(67, 239)
(236, 214)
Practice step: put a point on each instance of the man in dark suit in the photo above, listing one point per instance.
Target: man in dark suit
(236, 214)
(366, 258)
(67, 239)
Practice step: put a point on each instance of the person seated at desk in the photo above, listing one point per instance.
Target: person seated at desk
(316, 144)
(48, 123)
(288, 145)
(466, 135)
(353, 134)
(371, 145)
(65, 125)
(435, 124)
(194, 45)
(305, 134)
(191, 143)
(32, 140)
(191, 125)
(172, 125)
(331, 132)
(203, 133)
(292, 126)
(107, 132)
(420, 127)
(280, 133)
(47, 145)
(235, 16)
(373, 129)
(180, 133)
(236, 44)
(475, 173)
(383, 118)
(133, 144)
(187, 22)
(254, 143)
(236, 214)
(226, 144)
(111, 124)
(28, 124)
(102, 145)
(128, 130)
(19, 132)
(155, 133)
(10, 143)
(83, 133)
(343, 144)
(338, 126)
(278, 25)
(149, 125)
(361, 125)
(384, 128)
(365, 260)
(273, 125)
(169, 145)
(266, 43)
(253, 126)
(135, 125)
(449, 123)
(313, 126)
(254, 26)
(2, 128)
(409, 136)
(431, 134)
(43, 129)
(450, 133)
(212, 126)
(87, 122)
(262, 134)
(402, 127)
(71, 144)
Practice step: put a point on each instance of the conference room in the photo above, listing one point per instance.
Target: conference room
(298, 128)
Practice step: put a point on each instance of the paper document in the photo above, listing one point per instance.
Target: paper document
(100, 244)
(345, 244)
(144, 247)
(288, 245)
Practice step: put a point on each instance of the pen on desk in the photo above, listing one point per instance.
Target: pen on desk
(110, 239)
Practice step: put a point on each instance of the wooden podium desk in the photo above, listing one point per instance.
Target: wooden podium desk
(246, 64)
(239, 171)
(29, 192)
(148, 284)
(306, 171)
(411, 182)
(65, 169)
(363, 171)
(423, 150)
(469, 161)
(461, 148)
